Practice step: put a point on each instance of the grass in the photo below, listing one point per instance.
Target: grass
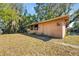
(23, 45)
(72, 40)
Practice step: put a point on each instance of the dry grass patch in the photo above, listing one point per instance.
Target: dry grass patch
(69, 40)
(18, 44)
(72, 40)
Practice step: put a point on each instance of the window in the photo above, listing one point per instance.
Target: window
(31, 27)
(36, 27)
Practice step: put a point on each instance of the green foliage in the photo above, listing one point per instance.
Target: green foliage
(76, 25)
(48, 10)
(75, 18)
(10, 15)
(16, 19)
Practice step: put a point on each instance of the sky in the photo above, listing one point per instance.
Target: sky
(76, 6)
(30, 7)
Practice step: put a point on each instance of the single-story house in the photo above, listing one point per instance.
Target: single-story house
(53, 27)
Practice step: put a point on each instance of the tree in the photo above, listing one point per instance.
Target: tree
(2, 26)
(75, 19)
(50, 10)
(74, 16)
(11, 14)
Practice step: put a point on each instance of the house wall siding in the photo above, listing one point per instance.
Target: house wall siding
(52, 29)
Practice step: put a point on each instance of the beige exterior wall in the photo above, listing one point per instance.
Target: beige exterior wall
(52, 29)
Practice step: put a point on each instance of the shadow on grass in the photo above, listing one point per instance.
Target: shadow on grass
(41, 37)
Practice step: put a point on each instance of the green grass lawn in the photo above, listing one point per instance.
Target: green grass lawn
(18, 44)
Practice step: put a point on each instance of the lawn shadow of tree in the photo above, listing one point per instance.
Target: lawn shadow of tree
(41, 37)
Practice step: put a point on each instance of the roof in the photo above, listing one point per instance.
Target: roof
(65, 17)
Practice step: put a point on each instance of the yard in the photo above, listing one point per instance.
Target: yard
(74, 40)
(24, 45)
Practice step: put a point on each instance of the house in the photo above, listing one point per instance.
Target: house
(53, 27)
